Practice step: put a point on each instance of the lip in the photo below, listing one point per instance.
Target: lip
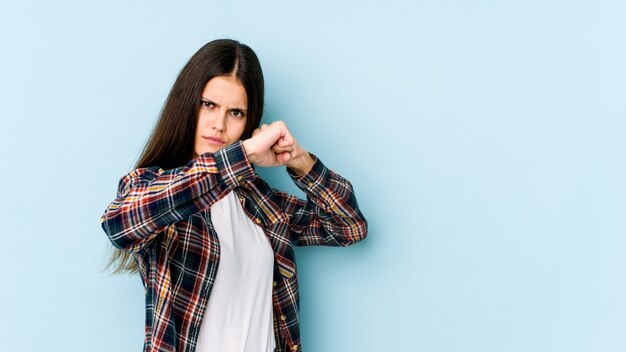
(213, 140)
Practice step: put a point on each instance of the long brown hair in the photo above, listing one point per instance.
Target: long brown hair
(171, 142)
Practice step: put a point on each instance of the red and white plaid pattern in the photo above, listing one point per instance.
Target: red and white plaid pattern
(163, 218)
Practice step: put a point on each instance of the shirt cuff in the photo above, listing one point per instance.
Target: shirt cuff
(313, 180)
(233, 165)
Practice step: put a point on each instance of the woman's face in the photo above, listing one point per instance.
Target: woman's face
(222, 116)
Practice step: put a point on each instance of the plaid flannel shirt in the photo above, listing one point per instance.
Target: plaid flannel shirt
(162, 217)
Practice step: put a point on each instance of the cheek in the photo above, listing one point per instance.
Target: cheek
(238, 129)
(198, 127)
(201, 123)
(203, 118)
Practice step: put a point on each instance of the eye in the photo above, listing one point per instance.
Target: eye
(237, 113)
(207, 104)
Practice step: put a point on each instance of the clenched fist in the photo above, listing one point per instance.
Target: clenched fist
(274, 145)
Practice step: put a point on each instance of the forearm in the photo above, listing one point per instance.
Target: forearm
(150, 199)
(301, 164)
(331, 215)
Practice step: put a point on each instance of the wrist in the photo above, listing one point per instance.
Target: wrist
(248, 150)
(301, 164)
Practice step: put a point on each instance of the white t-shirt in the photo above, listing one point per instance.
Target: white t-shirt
(239, 313)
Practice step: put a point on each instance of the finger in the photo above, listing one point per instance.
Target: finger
(286, 135)
(278, 150)
(279, 127)
(285, 142)
(282, 143)
(284, 157)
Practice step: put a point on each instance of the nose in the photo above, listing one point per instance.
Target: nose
(219, 123)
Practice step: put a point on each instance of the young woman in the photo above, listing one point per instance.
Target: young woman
(212, 242)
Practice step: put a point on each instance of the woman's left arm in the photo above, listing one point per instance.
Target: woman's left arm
(330, 216)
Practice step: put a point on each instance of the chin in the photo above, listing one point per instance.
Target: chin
(207, 149)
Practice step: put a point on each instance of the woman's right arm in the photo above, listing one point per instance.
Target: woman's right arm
(150, 199)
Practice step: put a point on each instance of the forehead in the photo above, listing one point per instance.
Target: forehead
(226, 90)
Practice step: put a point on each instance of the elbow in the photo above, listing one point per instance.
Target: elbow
(363, 231)
(357, 233)
(119, 236)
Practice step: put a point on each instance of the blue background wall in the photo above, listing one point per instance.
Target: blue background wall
(485, 141)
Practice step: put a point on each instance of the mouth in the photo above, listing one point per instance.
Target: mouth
(214, 140)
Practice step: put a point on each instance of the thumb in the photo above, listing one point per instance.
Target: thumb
(284, 157)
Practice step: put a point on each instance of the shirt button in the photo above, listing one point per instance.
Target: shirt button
(257, 220)
(273, 283)
(294, 347)
(283, 317)
(310, 184)
(240, 178)
(102, 219)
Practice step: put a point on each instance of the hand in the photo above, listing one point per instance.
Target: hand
(274, 145)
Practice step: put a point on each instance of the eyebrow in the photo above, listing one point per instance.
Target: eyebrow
(211, 101)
